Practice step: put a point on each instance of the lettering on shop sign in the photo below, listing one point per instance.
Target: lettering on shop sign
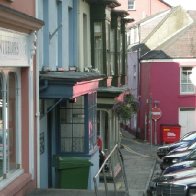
(9, 47)
(14, 48)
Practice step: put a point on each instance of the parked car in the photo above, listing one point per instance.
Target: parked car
(175, 175)
(177, 157)
(185, 186)
(183, 149)
(187, 140)
(180, 166)
(171, 176)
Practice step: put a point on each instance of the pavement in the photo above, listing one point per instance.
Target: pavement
(140, 162)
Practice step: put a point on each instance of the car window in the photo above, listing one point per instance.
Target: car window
(193, 146)
(185, 135)
(192, 155)
(189, 137)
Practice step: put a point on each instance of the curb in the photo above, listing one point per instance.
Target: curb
(150, 177)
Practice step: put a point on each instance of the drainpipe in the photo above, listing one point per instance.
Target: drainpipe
(37, 113)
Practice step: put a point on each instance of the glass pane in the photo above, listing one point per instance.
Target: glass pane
(1, 128)
(78, 144)
(66, 137)
(92, 123)
(78, 130)
(186, 85)
(65, 116)
(78, 138)
(72, 120)
(12, 121)
(112, 52)
(98, 46)
(78, 116)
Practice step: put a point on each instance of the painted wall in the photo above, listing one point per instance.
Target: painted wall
(143, 8)
(83, 32)
(27, 7)
(161, 82)
(26, 179)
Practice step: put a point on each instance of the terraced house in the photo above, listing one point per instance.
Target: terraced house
(19, 107)
(83, 70)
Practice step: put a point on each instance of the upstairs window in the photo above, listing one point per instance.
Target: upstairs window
(186, 86)
(131, 4)
(98, 46)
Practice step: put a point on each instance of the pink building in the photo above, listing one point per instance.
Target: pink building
(138, 9)
(165, 81)
(19, 109)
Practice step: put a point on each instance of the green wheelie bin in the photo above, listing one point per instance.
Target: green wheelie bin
(72, 172)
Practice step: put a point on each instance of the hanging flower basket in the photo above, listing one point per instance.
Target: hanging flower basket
(127, 107)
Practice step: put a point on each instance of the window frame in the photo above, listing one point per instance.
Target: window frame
(67, 113)
(188, 83)
(98, 45)
(131, 4)
(89, 116)
(7, 174)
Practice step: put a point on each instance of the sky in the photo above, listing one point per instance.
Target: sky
(186, 4)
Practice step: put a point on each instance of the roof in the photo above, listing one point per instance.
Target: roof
(71, 77)
(68, 84)
(19, 21)
(112, 91)
(181, 45)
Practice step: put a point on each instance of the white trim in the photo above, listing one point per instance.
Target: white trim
(153, 18)
(37, 106)
(19, 120)
(11, 177)
(31, 119)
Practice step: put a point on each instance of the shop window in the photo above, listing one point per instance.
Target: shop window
(72, 126)
(186, 86)
(9, 122)
(92, 114)
(78, 124)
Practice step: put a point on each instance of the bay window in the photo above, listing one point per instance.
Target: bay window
(78, 124)
(9, 122)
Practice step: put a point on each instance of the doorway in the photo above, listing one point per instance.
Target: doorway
(187, 120)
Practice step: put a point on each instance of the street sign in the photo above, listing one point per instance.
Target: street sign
(156, 113)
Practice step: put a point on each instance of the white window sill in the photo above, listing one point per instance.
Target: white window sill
(10, 178)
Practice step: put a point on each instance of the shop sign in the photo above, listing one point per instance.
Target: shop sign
(13, 48)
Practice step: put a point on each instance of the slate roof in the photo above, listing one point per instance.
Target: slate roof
(182, 45)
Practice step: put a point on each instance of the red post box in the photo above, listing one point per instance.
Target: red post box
(170, 133)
